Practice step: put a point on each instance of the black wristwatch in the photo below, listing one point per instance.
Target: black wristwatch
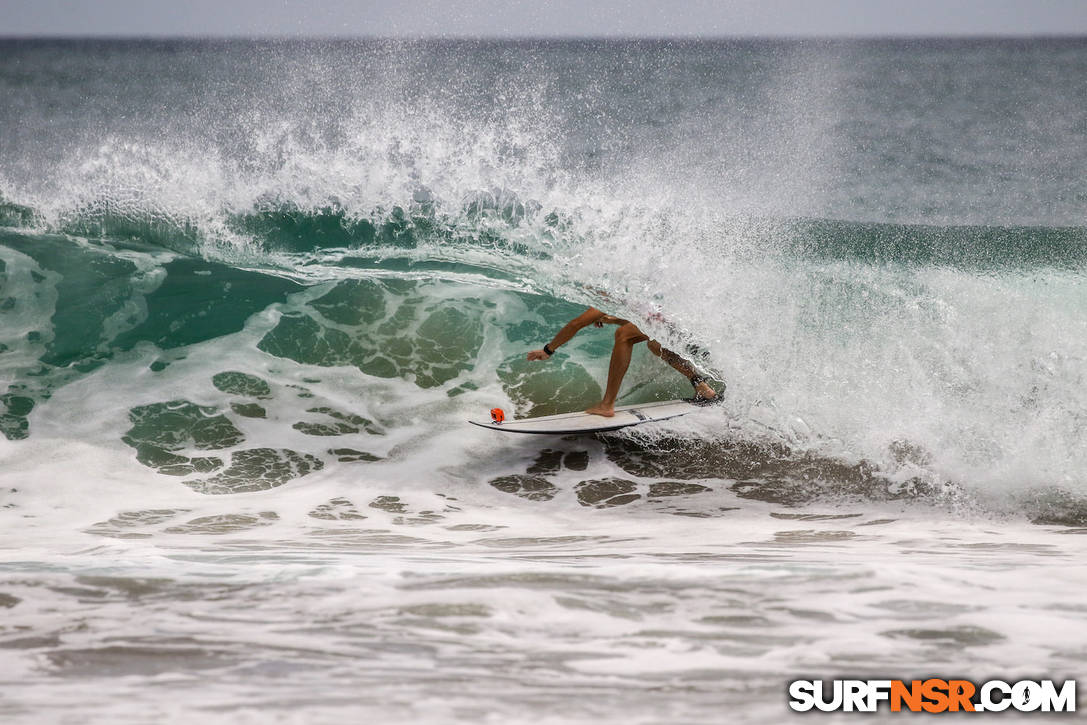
(548, 350)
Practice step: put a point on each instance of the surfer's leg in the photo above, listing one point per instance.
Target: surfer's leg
(626, 337)
(684, 368)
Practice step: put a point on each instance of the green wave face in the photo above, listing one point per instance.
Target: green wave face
(444, 322)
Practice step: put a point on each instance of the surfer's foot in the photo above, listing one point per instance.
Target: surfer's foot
(601, 409)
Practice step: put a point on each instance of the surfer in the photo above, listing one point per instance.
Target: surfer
(626, 337)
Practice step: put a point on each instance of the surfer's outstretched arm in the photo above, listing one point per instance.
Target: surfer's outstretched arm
(702, 389)
(591, 316)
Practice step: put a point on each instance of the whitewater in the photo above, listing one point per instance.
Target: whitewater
(251, 292)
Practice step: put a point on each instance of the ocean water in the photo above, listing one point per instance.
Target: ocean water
(250, 292)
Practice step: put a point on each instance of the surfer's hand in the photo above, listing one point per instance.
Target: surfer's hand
(538, 355)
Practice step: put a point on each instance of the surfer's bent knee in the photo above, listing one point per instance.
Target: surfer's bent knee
(629, 332)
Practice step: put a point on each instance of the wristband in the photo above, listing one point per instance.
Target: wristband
(548, 350)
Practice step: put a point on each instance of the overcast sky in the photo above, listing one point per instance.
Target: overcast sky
(551, 18)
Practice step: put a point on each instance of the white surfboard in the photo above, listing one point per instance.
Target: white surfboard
(566, 423)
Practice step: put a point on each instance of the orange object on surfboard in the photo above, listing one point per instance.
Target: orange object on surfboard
(498, 415)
